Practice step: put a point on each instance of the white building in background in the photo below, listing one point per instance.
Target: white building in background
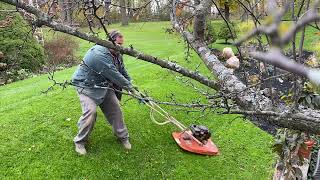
(214, 12)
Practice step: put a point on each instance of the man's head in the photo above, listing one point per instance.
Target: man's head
(116, 36)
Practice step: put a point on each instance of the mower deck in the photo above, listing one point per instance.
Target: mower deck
(186, 142)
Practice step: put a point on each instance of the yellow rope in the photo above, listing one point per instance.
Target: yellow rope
(169, 119)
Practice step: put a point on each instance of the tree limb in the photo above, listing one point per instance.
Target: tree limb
(44, 19)
(249, 99)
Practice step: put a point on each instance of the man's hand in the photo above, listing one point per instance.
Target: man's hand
(133, 91)
(142, 98)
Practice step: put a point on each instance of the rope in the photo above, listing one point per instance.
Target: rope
(168, 118)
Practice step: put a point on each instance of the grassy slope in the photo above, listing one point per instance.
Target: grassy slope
(36, 138)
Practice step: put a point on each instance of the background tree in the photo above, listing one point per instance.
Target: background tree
(228, 6)
(123, 11)
(225, 33)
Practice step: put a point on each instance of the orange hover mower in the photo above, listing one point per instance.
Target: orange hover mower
(195, 139)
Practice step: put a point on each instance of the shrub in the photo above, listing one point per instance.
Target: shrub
(284, 28)
(21, 54)
(211, 35)
(245, 27)
(315, 47)
(224, 32)
(18, 45)
(60, 50)
(18, 75)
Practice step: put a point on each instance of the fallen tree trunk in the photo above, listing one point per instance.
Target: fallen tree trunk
(248, 99)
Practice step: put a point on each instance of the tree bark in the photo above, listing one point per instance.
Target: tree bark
(66, 11)
(63, 10)
(199, 26)
(123, 11)
(227, 10)
(129, 5)
(158, 11)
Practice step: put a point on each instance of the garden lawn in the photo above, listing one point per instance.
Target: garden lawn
(37, 130)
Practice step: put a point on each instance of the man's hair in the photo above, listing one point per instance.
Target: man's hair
(114, 34)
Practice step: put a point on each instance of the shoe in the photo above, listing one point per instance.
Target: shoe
(126, 144)
(80, 149)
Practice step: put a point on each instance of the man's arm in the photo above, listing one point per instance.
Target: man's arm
(103, 64)
(125, 73)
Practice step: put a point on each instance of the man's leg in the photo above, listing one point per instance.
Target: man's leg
(112, 111)
(85, 123)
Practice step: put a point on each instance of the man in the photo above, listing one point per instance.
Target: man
(99, 81)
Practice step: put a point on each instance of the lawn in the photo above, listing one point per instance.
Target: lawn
(37, 129)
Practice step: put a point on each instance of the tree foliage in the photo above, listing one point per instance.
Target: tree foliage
(225, 33)
(17, 43)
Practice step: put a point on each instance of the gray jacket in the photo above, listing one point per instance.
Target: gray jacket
(97, 71)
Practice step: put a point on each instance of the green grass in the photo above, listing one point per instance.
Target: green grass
(36, 137)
